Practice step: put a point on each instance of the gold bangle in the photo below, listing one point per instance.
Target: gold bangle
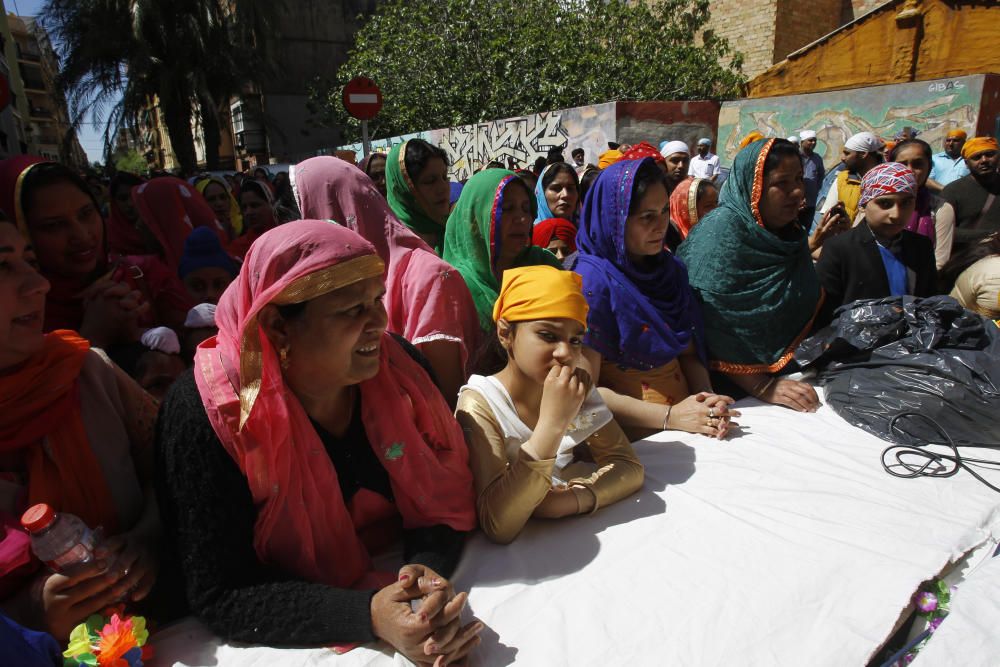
(759, 390)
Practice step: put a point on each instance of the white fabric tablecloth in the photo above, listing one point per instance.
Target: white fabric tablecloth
(788, 545)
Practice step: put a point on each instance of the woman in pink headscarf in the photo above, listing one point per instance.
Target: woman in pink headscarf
(426, 299)
(307, 441)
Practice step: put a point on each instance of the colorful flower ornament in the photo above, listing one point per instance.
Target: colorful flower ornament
(932, 603)
(111, 639)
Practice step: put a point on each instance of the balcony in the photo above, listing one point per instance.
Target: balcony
(28, 54)
(41, 112)
(33, 84)
(46, 139)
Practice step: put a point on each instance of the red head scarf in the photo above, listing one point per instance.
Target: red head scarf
(559, 228)
(641, 150)
(171, 208)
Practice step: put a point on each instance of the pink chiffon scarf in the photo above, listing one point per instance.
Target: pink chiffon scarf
(303, 525)
(426, 298)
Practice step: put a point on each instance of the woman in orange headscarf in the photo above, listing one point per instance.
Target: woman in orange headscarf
(690, 202)
(75, 433)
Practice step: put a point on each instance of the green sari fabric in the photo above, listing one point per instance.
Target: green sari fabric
(404, 200)
(473, 236)
(759, 292)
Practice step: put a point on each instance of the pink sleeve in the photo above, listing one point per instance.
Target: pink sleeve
(428, 300)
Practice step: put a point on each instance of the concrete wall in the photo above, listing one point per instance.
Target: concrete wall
(903, 40)
(931, 107)
(523, 139)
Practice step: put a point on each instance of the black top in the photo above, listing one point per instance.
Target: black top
(969, 197)
(353, 458)
(208, 515)
(851, 267)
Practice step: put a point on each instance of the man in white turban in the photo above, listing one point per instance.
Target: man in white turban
(861, 152)
(678, 157)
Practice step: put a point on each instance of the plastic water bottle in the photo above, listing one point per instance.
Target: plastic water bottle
(60, 540)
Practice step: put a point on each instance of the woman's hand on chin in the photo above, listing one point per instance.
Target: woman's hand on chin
(432, 634)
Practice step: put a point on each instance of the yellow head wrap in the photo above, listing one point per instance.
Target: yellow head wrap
(958, 134)
(750, 138)
(608, 158)
(979, 145)
(540, 293)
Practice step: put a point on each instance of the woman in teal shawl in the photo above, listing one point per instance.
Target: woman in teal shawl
(488, 232)
(418, 189)
(750, 266)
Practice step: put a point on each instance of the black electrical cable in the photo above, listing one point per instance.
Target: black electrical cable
(946, 465)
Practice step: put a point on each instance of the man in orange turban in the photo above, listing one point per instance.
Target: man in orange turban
(750, 138)
(948, 165)
(971, 211)
(608, 158)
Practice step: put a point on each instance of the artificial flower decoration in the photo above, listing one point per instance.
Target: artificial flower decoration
(109, 640)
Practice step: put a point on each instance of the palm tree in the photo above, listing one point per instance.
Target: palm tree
(192, 55)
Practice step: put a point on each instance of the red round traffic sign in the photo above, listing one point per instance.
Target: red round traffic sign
(362, 98)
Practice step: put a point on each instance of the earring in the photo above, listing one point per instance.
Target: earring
(283, 355)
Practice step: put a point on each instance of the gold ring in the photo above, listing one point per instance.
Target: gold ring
(711, 412)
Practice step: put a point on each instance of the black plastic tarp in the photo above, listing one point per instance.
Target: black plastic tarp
(880, 358)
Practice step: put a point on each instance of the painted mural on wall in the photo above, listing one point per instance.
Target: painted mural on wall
(930, 107)
(517, 141)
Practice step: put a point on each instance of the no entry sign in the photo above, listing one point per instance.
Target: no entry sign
(362, 98)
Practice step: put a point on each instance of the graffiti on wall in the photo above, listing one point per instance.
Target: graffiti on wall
(932, 108)
(511, 141)
(518, 141)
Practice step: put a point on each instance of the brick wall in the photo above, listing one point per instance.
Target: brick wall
(765, 31)
(800, 23)
(749, 27)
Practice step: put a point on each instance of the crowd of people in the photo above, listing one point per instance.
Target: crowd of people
(255, 384)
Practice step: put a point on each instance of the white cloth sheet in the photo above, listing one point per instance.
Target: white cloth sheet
(788, 545)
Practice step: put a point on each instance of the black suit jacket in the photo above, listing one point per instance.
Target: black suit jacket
(851, 268)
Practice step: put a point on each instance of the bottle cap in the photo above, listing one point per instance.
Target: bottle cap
(38, 517)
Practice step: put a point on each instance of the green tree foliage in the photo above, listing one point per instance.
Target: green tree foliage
(131, 162)
(191, 55)
(453, 62)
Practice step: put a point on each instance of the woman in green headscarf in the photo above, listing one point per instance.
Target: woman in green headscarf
(418, 189)
(488, 232)
(750, 266)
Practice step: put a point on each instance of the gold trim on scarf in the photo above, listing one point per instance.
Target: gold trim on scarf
(752, 369)
(758, 182)
(305, 288)
(20, 219)
(693, 203)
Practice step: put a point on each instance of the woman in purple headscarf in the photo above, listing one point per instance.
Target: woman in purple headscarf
(644, 330)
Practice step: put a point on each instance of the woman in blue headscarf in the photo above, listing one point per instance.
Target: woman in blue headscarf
(644, 330)
(752, 271)
(557, 193)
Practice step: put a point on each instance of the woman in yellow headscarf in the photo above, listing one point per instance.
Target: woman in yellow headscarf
(526, 425)
(224, 205)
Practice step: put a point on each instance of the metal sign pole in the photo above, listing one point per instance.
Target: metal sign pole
(364, 138)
